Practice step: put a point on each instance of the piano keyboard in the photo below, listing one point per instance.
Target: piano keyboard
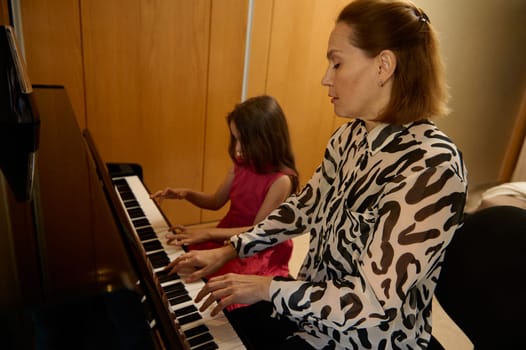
(200, 329)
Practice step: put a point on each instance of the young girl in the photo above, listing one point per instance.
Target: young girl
(262, 177)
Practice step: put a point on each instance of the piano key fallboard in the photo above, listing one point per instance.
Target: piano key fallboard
(200, 330)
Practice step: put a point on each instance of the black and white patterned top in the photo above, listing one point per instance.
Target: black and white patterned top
(380, 211)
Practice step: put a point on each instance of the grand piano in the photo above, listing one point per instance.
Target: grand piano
(82, 246)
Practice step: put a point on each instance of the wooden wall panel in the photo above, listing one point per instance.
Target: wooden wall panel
(160, 77)
(53, 47)
(4, 12)
(146, 68)
(297, 45)
(225, 76)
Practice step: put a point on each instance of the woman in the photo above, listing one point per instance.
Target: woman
(380, 209)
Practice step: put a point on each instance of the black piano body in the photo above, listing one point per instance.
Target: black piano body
(67, 276)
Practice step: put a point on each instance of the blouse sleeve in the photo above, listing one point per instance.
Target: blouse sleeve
(294, 216)
(415, 221)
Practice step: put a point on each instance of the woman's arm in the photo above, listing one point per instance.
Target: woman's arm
(414, 223)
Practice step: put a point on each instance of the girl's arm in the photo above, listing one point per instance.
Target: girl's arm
(277, 193)
(211, 201)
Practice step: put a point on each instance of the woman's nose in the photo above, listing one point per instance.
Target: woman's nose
(326, 79)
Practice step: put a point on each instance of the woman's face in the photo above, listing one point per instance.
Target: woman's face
(352, 77)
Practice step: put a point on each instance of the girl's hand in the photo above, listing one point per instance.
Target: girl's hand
(197, 264)
(233, 288)
(180, 236)
(169, 193)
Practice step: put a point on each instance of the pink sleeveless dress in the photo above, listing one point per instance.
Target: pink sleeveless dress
(247, 193)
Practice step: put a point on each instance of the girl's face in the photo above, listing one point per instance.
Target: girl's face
(352, 78)
(235, 134)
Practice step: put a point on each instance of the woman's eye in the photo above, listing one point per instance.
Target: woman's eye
(336, 66)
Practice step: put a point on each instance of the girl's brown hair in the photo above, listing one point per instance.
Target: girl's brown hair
(264, 137)
(419, 89)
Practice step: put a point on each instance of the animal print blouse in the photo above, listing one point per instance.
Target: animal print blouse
(380, 211)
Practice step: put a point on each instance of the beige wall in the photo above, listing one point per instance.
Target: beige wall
(484, 45)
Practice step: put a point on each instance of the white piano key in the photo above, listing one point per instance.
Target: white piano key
(219, 326)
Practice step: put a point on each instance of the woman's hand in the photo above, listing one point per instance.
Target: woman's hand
(233, 288)
(181, 235)
(197, 264)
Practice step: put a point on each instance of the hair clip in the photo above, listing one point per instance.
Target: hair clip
(422, 17)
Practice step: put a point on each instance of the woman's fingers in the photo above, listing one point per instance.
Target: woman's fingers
(217, 294)
(233, 288)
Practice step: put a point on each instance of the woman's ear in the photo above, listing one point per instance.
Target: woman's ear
(386, 61)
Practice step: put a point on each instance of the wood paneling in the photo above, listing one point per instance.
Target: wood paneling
(160, 77)
(296, 46)
(225, 76)
(146, 86)
(4, 12)
(53, 47)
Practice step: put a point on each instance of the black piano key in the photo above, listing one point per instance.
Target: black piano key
(179, 299)
(157, 255)
(158, 259)
(122, 185)
(163, 276)
(185, 310)
(159, 262)
(148, 236)
(175, 286)
(120, 182)
(146, 233)
(152, 246)
(132, 203)
(200, 339)
(192, 332)
(189, 318)
(126, 196)
(141, 222)
(136, 213)
(207, 346)
(176, 293)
